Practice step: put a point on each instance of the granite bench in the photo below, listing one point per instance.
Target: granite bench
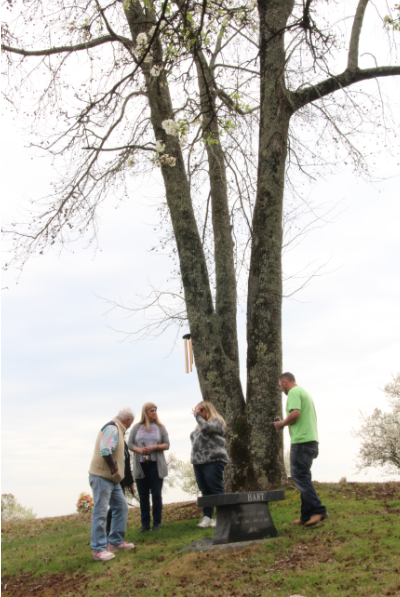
(242, 516)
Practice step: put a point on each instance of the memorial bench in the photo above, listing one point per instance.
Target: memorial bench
(242, 516)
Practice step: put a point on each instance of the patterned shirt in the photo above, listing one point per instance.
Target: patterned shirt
(109, 440)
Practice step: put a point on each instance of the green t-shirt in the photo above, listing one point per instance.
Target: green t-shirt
(305, 428)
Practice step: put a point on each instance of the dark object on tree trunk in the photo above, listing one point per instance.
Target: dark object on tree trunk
(242, 516)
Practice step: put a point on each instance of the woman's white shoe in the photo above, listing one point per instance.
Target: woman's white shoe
(206, 522)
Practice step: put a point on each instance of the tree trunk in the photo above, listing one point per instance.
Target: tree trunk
(218, 372)
(264, 343)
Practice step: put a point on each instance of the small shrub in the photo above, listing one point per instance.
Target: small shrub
(181, 474)
(12, 510)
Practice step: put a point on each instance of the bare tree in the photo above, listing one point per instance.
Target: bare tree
(217, 94)
(380, 434)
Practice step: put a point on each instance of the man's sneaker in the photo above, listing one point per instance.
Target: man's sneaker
(121, 546)
(156, 527)
(144, 529)
(206, 522)
(213, 522)
(103, 556)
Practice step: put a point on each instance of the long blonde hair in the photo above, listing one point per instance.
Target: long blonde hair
(211, 412)
(144, 419)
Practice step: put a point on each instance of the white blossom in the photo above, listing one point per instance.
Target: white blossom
(149, 58)
(160, 146)
(151, 31)
(141, 41)
(170, 127)
(156, 70)
(167, 160)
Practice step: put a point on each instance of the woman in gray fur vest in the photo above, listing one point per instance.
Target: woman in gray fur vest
(209, 455)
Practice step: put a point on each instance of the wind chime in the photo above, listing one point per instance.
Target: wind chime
(188, 348)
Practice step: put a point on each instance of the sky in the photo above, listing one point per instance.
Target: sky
(66, 371)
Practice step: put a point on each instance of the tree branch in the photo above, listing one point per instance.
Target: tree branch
(121, 148)
(64, 49)
(345, 79)
(247, 70)
(352, 63)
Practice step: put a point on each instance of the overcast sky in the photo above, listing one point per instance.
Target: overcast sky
(65, 372)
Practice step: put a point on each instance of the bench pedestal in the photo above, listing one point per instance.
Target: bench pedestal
(242, 516)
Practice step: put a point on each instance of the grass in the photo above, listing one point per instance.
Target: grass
(354, 552)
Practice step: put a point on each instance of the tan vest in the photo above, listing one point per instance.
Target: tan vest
(99, 466)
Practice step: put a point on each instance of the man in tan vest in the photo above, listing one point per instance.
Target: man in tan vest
(105, 473)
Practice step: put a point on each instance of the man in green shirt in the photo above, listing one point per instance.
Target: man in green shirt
(302, 421)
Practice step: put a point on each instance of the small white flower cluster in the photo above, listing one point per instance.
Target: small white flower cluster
(156, 70)
(160, 147)
(170, 127)
(141, 41)
(130, 162)
(167, 160)
(141, 45)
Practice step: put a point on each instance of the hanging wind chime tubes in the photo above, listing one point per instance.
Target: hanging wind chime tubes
(188, 347)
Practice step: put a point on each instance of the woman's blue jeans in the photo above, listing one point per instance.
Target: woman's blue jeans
(151, 482)
(301, 459)
(210, 479)
(107, 493)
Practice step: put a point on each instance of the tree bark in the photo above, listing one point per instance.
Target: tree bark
(264, 345)
(239, 473)
(218, 372)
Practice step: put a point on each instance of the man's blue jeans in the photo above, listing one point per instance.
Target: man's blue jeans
(210, 479)
(151, 482)
(106, 493)
(301, 458)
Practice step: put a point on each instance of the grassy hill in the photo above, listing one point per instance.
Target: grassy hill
(355, 552)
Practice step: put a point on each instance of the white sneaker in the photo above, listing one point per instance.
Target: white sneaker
(213, 522)
(206, 522)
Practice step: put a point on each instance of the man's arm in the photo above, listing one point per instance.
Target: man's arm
(108, 443)
(111, 463)
(290, 419)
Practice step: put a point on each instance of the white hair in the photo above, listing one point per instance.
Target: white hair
(125, 413)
